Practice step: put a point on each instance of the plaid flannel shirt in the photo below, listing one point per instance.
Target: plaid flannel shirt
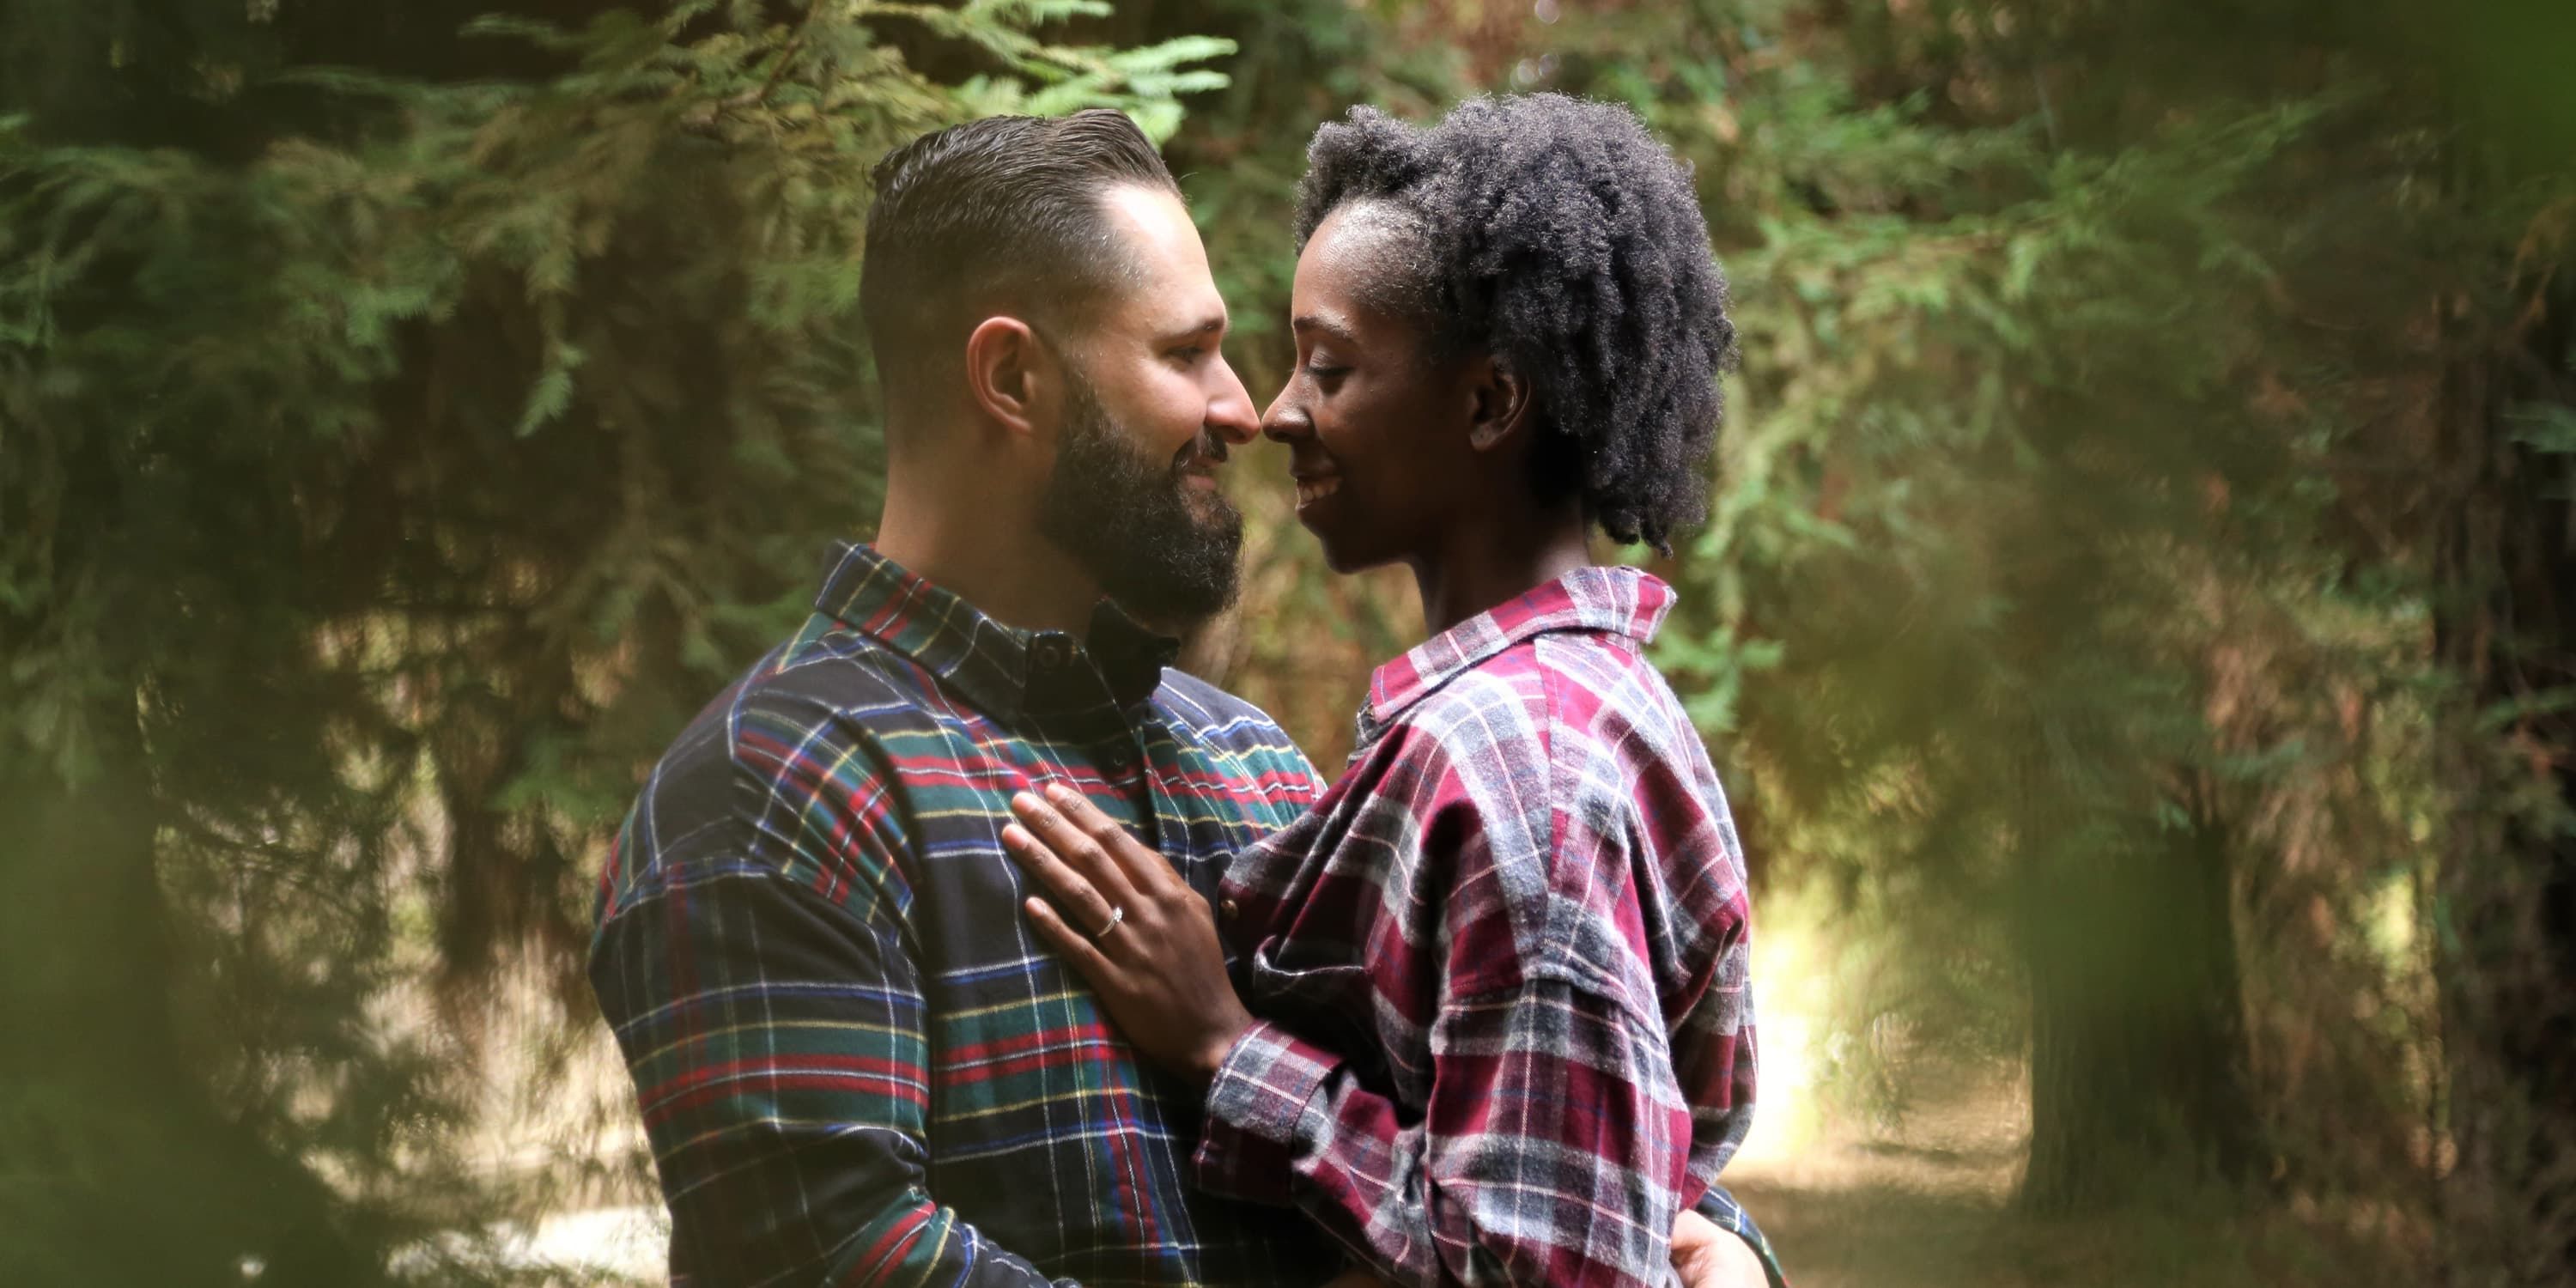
(855, 1062)
(1505, 1030)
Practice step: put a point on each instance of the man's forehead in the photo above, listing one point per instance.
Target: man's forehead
(1171, 289)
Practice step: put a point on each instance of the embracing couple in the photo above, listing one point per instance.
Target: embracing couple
(964, 941)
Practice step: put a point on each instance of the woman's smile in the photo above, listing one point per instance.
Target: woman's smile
(1314, 488)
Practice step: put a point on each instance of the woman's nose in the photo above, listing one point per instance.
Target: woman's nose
(1285, 419)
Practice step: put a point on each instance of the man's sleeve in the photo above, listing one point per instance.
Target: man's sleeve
(772, 1018)
(1723, 1211)
(778, 1056)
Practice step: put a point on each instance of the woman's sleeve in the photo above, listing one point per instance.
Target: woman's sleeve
(1555, 1145)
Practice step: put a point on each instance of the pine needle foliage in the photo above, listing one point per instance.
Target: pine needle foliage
(391, 458)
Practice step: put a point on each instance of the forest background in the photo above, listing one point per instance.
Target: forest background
(2134, 623)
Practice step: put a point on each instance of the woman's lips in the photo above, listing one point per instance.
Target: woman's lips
(1311, 490)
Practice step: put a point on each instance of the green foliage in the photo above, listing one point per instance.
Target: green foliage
(380, 498)
(407, 417)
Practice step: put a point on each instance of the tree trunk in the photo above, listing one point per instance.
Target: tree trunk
(2505, 933)
(2138, 1050)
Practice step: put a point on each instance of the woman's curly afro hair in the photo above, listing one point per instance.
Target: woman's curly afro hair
(1560, 237)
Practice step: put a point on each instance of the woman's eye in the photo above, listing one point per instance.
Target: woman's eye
(1322, 371)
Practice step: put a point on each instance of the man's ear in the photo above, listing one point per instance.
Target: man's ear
(1011, 374)
(1501, 403)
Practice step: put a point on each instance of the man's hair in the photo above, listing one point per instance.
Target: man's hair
(1000, 212)
(1560, 237)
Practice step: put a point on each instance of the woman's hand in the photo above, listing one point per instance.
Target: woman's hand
(1138, 933)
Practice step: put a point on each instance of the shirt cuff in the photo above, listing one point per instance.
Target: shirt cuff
(1721, 1208)
(1262, 1103)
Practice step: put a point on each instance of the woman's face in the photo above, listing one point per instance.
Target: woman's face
(1377, 431)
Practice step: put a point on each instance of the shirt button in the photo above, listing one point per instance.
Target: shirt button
(1228, 909)
(1050, 650)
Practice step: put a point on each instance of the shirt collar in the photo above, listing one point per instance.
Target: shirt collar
(1004, 670)
(1626, 602)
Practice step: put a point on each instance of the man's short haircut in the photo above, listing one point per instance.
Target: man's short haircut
(999, 214)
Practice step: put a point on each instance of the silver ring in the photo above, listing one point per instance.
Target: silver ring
(1116, 915)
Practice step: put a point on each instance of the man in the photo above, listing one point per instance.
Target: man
(855, 1063)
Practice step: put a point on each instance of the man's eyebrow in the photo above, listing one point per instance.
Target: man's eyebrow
(1214, 323)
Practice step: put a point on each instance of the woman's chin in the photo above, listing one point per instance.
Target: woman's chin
(1341, 554)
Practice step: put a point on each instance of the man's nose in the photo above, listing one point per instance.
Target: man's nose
(1229, 414)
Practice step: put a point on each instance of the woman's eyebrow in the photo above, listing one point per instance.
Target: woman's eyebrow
(1330, 327)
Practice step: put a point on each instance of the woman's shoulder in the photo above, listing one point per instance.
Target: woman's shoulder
(1497, 712)
(1552, 694)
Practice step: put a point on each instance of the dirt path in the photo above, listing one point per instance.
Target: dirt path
(1926, 1202)
(1915, 1203)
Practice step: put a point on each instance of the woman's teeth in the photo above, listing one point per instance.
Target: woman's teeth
(1310, 491)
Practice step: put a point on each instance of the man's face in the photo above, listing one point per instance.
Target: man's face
(1150, 411)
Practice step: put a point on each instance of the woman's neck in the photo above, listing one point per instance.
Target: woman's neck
(1485, 564)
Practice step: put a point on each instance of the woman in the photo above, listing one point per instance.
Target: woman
(1498, 971)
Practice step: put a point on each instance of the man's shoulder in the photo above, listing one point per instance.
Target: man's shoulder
(815, 715)
(1220, 717)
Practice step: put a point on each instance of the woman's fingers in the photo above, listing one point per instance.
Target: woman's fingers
(1063, 883)
(1073, 944)
(1143, 868)
(1073, 846)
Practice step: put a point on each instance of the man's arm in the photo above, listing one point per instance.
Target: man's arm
(778, 1056)
(1729, 1220)
(752, 960)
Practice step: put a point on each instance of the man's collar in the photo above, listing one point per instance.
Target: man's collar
(1005, 670)
(1627, 602)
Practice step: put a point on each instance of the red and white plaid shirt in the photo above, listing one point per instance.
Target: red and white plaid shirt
(1507, 1032)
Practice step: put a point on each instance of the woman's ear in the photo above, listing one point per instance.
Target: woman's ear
(1010, 374)
(1501, 403)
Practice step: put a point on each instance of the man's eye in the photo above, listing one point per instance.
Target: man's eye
(1189, 353)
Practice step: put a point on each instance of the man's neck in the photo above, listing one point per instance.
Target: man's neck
(983, 546)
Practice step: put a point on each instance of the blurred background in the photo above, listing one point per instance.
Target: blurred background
(2134, 624)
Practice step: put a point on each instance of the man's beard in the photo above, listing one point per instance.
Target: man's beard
(1129, 521)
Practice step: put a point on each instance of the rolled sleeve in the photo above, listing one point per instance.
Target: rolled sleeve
(1260, 1106)
(1548, 1154)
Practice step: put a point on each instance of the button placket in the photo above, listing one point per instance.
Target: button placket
(1050, 650)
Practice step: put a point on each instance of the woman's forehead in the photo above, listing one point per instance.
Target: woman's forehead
(1364, 261)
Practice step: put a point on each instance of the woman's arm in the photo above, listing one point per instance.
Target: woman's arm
(1553, 1144)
